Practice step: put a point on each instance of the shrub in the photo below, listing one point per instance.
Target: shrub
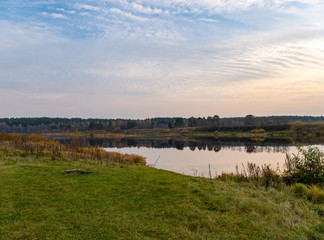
(312, 193)
(297, 126)
(270, 176)
(299, 190)
(305, 167)
(261, 130)
(316, 194)
(228, 177)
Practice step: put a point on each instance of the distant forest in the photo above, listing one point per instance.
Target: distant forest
(34, 125)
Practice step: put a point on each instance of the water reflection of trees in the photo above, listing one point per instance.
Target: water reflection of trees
(200, 144)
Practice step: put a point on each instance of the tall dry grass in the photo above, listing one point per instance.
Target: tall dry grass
(263, 175)
(41, 146)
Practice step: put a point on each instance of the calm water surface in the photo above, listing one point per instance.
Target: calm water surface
(194, 159)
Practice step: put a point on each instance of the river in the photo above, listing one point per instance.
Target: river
(205, 157)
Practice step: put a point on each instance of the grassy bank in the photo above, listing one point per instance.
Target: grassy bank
(132, 201)
(118, 197)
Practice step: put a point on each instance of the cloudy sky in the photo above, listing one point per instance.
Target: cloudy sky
(146, 58)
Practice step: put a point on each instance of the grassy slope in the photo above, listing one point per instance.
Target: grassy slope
(137, 202)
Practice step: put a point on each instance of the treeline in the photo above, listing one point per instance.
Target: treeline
(211, 123)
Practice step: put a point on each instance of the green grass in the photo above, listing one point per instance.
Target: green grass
(37, 201)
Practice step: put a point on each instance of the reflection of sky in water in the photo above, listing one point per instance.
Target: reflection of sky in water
(187, 161)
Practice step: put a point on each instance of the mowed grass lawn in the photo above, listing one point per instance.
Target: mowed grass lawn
(37, 201)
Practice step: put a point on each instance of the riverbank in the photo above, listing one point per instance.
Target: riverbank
(53, 191)
(132, 201)
(187, 134)
(296, 132)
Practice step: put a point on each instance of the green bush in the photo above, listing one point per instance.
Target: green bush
(312, 193)
(300, 190)
(228, 177)
(305, 167)
(260, 130)
(316, 194)
(297, 126)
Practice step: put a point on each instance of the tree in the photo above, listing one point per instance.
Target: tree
(179, 122)
(216, 120)
(192, 122)
(249, 120)
(209, 121)
(131, 124)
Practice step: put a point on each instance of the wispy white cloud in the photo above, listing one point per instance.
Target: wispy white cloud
(65, 11)
(85, 14)
(86, 7)
(54, 15)
(208, 20)
(126, 14)
(147, 10)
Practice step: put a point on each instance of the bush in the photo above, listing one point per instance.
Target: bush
(260, 130)
(312, 193)
(300, 190)
(316, 194)
(228, 177)
(305, 167)
(270, 177)
(297, 126)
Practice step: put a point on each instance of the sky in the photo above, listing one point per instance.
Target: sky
(159, 58)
